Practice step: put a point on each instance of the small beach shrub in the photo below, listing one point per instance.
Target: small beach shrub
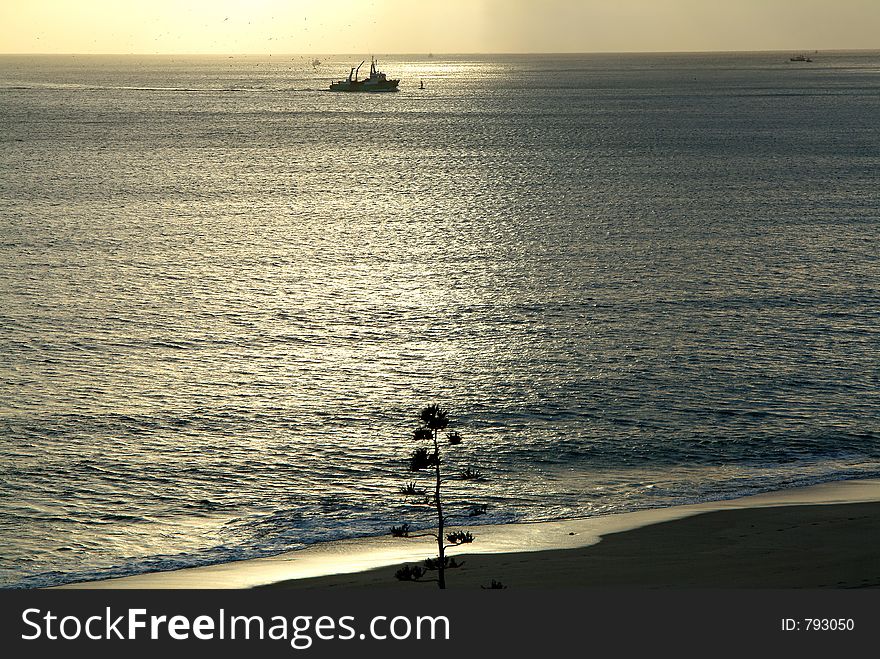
(410, 573)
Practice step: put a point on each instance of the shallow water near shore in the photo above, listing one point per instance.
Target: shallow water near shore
(362, 554)
(635, 280)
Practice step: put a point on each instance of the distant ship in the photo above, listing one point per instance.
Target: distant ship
(799, 58)
(377, 82)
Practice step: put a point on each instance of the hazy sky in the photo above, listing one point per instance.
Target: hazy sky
(439, 26)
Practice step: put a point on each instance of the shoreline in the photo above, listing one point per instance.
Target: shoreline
(782, 547)
(571, 544)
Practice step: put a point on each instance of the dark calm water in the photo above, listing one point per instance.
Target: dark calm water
(224, 292)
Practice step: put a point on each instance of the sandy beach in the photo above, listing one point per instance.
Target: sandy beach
(817, 546)
(823, 536)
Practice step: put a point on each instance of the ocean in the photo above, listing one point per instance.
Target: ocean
(634, 280)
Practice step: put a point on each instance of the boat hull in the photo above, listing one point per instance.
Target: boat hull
(346, 86)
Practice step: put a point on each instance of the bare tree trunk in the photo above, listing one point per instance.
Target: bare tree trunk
(441, 570)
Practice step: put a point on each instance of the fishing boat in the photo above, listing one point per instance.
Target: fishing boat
(377, 82)
(799, 58)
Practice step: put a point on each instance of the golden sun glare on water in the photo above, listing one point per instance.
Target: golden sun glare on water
(447, 26)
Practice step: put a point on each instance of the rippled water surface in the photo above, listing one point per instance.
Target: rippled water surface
(224, 292)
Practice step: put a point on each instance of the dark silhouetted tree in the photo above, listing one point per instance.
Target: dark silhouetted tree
(429, 459)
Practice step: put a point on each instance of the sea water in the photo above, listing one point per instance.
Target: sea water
(634, 280)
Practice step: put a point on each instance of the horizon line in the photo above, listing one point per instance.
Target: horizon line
(436, 54)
